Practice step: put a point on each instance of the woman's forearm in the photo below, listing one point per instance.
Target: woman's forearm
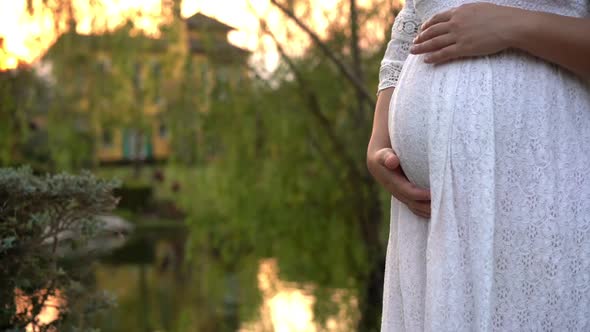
(479, 29)
(559, 39)
(380, 134)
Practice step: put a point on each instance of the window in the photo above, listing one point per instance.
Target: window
(163, 130)
(105, 65)
(157, 79)
(107, 138)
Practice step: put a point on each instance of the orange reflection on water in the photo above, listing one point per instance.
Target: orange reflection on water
(49, 312)
(288, 307)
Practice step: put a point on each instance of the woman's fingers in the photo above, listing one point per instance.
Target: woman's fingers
(421, 209)
(438, 18)
(421, 214)
(389, 179)
(443, 55)
(394, 181)
(433, 45)
(407, 189)
(388, 158)
(432, 32)
(384, 165)
(474, 29)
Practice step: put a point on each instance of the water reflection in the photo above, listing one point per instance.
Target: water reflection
(156, 291)
(288, 307)
(49, 311)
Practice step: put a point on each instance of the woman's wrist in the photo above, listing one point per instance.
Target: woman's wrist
(380, 134)
(518, 26)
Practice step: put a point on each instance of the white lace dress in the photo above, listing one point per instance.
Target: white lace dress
(503, 143)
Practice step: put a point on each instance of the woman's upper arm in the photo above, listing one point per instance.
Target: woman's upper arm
(404, 30)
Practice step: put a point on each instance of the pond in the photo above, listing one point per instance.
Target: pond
(158, 289)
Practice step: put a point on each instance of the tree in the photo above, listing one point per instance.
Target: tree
(23, 96)
(289, 179)
(368, 210)
(116, 78)
(36, 213)
(283, 174)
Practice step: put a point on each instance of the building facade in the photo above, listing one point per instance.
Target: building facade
(125, 87)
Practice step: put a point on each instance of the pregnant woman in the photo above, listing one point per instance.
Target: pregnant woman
(482, 136)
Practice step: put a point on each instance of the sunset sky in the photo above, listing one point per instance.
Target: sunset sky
(26, 37)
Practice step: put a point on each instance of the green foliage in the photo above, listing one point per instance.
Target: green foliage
(274, 188)
(22, 97)
(267, 168)
(134, 198)
(36, 214)
(278, 182)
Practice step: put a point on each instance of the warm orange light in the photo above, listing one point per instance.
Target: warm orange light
(49, 312)
(28, 37)
(11, 62)
(288, 307)
(7, 61)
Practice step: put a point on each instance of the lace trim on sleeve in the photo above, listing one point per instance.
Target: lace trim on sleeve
(389, 75)
(404, 30)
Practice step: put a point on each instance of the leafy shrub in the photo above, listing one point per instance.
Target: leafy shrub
(35, 214)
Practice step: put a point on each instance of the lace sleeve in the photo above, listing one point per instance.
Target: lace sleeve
(403, 32)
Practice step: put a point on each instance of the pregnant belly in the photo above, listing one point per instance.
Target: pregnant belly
(459, 109)
(409, 113)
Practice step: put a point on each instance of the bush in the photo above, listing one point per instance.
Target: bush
(35, 213)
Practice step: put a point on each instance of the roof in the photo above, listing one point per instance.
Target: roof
(103, 42)
(218, 51)
(214, 45)
(202, 22)
(210, 44)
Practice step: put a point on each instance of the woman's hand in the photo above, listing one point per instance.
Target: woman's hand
(384, 166)
(475, 29)
(383, 163)
(481, 29)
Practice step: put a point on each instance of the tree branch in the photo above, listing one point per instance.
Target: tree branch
(352, 78)
(356, 60)
(315, 109)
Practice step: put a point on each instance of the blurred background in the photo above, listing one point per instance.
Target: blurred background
(237, 130)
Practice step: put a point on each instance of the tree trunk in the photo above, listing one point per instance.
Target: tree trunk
(357, 67)
(372, 295)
